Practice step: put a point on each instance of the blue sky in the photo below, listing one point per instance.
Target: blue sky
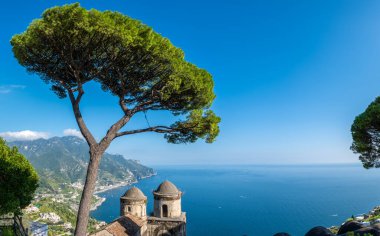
(290, 77)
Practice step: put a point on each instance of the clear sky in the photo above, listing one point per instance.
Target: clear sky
(290, 77)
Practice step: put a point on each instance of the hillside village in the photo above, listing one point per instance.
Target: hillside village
(58, 211)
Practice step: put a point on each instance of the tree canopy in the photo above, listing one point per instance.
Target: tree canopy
(70, 46)
(366, 135)
(18, 180)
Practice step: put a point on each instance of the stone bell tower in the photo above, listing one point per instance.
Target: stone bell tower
(167, 218)
(167, 201)
(133, 202)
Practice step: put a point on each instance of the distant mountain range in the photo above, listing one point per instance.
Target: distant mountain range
(64, 160)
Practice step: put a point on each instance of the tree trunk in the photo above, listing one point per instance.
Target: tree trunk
(88, 190)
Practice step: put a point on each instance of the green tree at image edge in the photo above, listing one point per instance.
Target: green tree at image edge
(366, 135)
(18, 180)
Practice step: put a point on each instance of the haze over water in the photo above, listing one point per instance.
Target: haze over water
(261, 200)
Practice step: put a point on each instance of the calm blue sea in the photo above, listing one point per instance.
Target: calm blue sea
(261, 200)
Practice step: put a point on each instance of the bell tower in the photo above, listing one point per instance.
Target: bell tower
(167, 201)
(133, 202)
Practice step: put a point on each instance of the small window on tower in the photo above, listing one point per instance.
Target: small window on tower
(129, 209)
(165, 210)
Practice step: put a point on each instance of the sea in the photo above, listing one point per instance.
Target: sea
(260, 200)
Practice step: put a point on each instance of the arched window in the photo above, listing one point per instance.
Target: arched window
(164, 210)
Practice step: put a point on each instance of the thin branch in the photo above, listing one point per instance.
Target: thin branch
(145, 106)
(142, 106)
(157, 129)
(123, 106)
(80, 94)
(112, 131)
(78, 115)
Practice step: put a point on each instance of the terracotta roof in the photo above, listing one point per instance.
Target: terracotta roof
(127, 225)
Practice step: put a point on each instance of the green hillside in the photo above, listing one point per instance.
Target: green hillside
(63, 160)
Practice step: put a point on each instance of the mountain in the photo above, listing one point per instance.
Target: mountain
(61, 160)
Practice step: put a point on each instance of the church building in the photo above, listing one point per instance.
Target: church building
(167, 218)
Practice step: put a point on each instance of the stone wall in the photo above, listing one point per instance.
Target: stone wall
(136, 208)
(173, 207)
(166, 228)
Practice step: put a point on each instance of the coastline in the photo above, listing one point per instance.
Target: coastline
(98, 203)
(120, 184)
(110, 187)
(114, 186)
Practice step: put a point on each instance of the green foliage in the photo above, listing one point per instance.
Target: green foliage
(8, 231)
(197, 125)
(18, 180)
(358, 234)
(366, 135)
(70, 46)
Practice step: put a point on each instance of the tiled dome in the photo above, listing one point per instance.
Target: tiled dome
(134, 193)
(167, 188)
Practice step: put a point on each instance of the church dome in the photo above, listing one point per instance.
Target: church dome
(134, 193)
(167, 188)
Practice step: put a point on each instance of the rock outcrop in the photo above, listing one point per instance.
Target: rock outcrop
(346, 229)
(319, 231)
(349, 226)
